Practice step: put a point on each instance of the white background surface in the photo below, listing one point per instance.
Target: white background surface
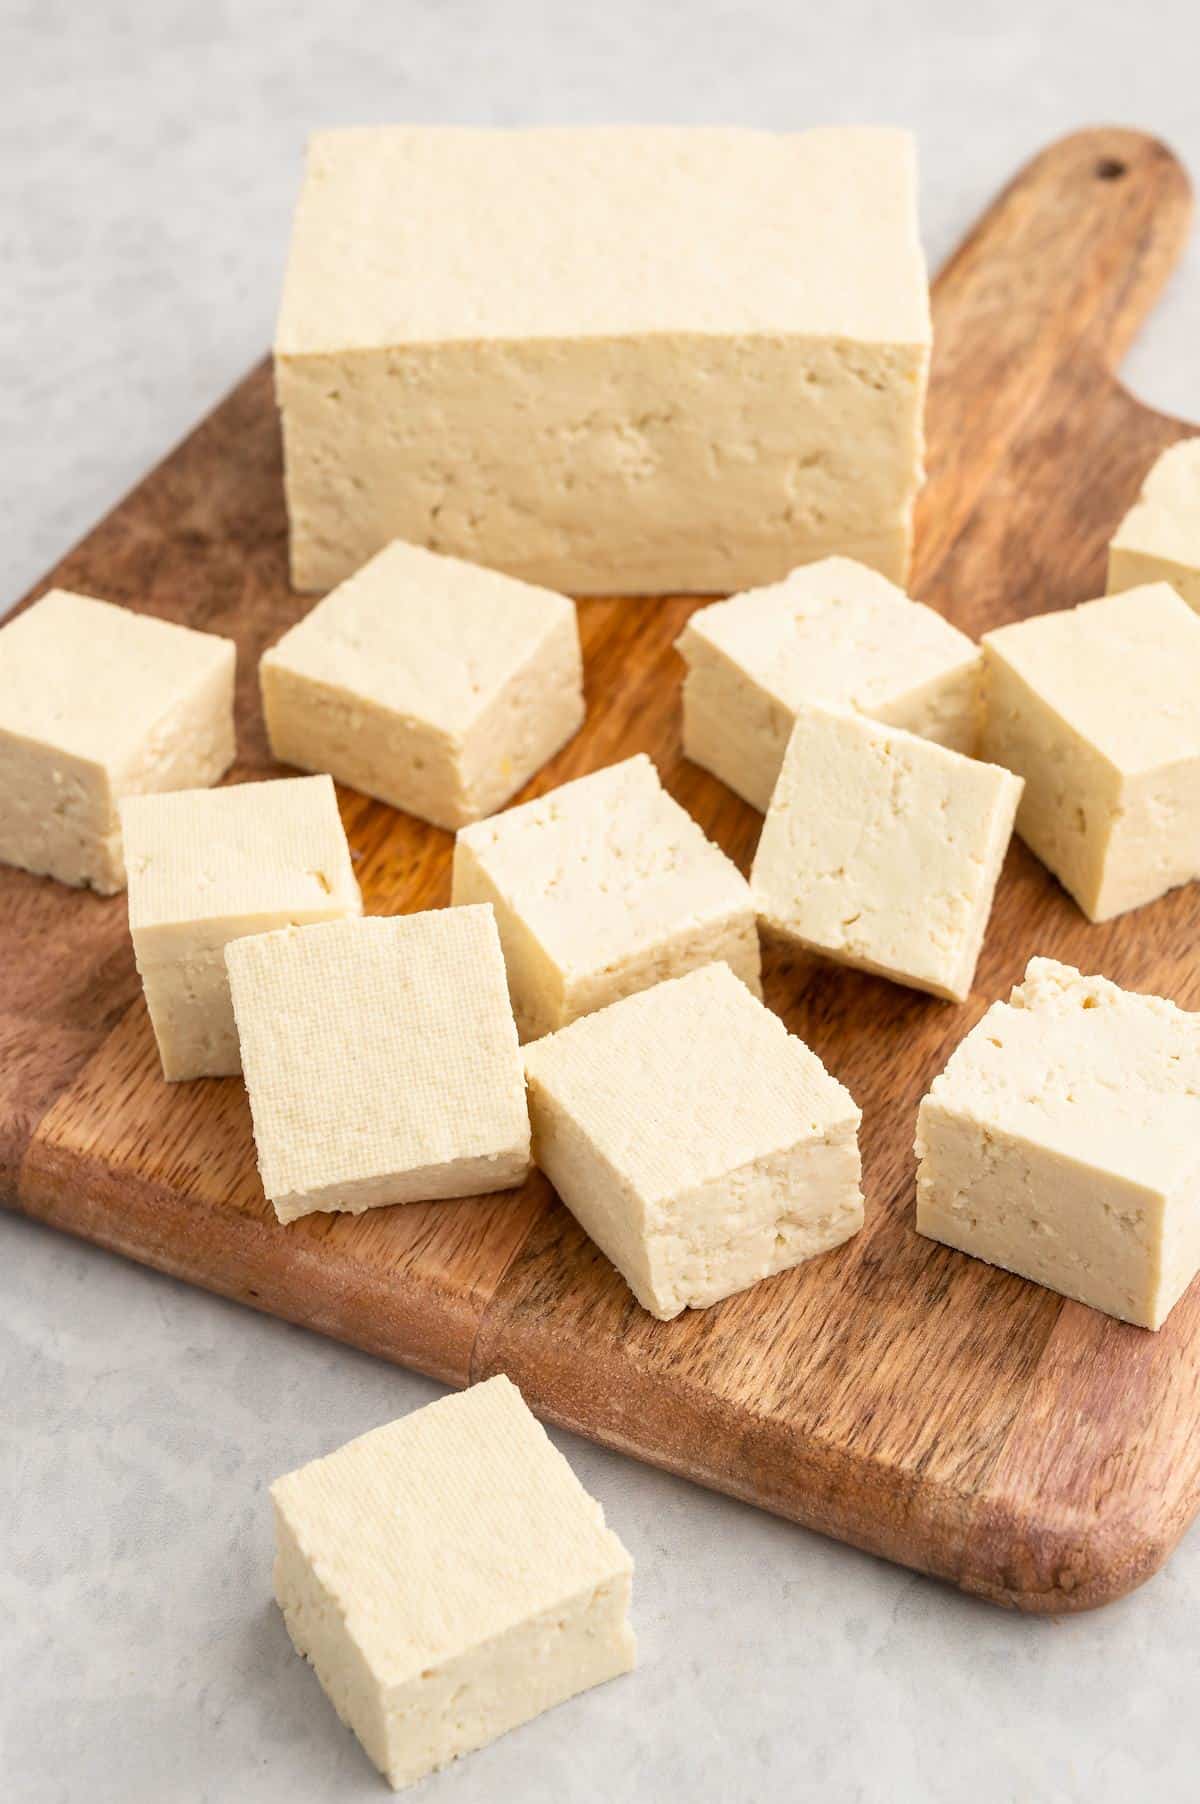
(148, 160)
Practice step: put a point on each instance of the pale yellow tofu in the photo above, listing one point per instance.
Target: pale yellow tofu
(1062, 1141)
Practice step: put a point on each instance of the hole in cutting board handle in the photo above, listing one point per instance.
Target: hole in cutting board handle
(1111, 169)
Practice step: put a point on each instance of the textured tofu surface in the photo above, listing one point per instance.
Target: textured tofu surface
(206, 866)
(1062, 1141)
(1096, 708)
(632, 415)
(1159, 538)
(434, 684)
(602, 224)
(97, 703)
(832, 632)
(449, 1578)
(602, 887)
(381, 1060)
(882, 850)
(701, 1145)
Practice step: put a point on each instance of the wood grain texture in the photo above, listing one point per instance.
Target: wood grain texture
(894, 1393)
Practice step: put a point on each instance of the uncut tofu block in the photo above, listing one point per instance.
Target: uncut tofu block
(882, 850)
(449, 1578)
(603, 887)
(701, 1145)
(208, 865)
(433, 684)
(834, 633)
(98, 703)
(1159, 538)
(615, 360)
(1062, 1142)
(381, 1061)
(1096, 707)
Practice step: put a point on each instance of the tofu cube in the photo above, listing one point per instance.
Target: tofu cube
(603, 887)
(1159, 538)
(618, 360)
(1096, 707)
(381, 1061)
(433, 684)
(833, 633)
(208, 865)
(1062, 1142)
(701, 1145)
(449, 1578)
(882, 850)
(98, 703)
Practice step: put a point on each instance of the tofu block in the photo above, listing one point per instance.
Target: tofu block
(98, 703)
(701, 1145)
(449, 1578)
(1159, 538)
(1062, 1142)
(833, 633)
(208, 865)
(612, 360)
(603, 887)
(381, 1061)
(433, 684)
(1096, 708)
(882, 850)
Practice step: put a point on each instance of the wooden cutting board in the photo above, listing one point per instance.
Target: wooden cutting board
(895, 1394)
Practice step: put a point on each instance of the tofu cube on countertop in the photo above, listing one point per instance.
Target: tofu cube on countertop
(381, 1061)
(1096, 707)
(433, 684)
(98, 703)
(1158, 541)
(206, 866)
(1062, 1142)
(701, 1145)
(832, 632)
(449, 1578)
(882, 850)
(631, 360)
(602, 887)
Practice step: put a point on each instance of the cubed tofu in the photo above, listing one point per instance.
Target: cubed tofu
(449, 1578)
(701, 1145)
(882, 850)
(1158, 541)
(98, 703)
(611, 360)
(601, 888)
(381, 1061)
(833, 633)
(433, 684)
(208, 865)
(1096, 708)
(1062, 1142)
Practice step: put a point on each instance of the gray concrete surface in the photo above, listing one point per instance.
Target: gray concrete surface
(148, 159)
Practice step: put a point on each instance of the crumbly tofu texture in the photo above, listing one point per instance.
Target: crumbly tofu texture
(883, 850)
(430, 683)
(601, 888)
(98, 703)
(381, 1061)
(449, 1578)
(1159, 538)
(1096, 708)
(541, 351)
(833, 632)
(206, 866)
(1062, 1142)
(701, 1145)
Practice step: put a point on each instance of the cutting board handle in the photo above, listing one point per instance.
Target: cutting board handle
(1054, 281)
